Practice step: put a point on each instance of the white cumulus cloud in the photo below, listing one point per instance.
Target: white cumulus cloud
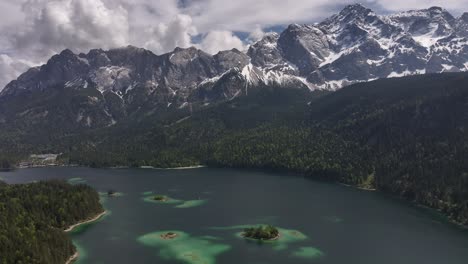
(215, 41)
(10, 69)
(166, 36)
(33, 30)
(455, 6)
(52, 26)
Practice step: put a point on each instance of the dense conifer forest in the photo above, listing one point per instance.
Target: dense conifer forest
(406, 136)
(33, 217)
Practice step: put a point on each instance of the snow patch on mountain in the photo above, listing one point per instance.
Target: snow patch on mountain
(430, 38)
(355, 45)
(112, 78)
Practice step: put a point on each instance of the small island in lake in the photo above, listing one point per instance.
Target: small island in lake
(111, 193)
(267, 232)
(160, 198)
(169, 235)
(165, 199)
(176, 245)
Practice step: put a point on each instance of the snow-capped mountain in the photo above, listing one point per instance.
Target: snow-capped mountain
(358, 45)
(355, 45)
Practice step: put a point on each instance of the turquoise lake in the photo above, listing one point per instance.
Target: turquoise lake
(208, 208)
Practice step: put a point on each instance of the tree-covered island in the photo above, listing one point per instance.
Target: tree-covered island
(267, 232)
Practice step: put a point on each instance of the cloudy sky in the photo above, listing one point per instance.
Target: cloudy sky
(33, 30)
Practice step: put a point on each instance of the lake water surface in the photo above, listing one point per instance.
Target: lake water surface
(321, 222)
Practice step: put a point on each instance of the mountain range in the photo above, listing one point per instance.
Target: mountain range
(101, 88)
(320, 100)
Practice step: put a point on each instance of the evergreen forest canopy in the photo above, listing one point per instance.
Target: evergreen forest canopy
(267, 232)
(406, 136)
(33, 218)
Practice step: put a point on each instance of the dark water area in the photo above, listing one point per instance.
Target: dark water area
(339, 224)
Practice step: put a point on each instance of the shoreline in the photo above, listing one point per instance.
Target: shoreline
(46, 166)
(174, 168)
(183, 168)
(265, 240)
(357, 187)
(70, 228)
(73, 258)
(112, 167)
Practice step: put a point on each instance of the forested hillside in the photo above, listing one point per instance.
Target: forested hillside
(407, 136)
(416, 131)
(33, 217)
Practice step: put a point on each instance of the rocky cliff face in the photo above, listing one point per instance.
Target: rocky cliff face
(356, 45)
